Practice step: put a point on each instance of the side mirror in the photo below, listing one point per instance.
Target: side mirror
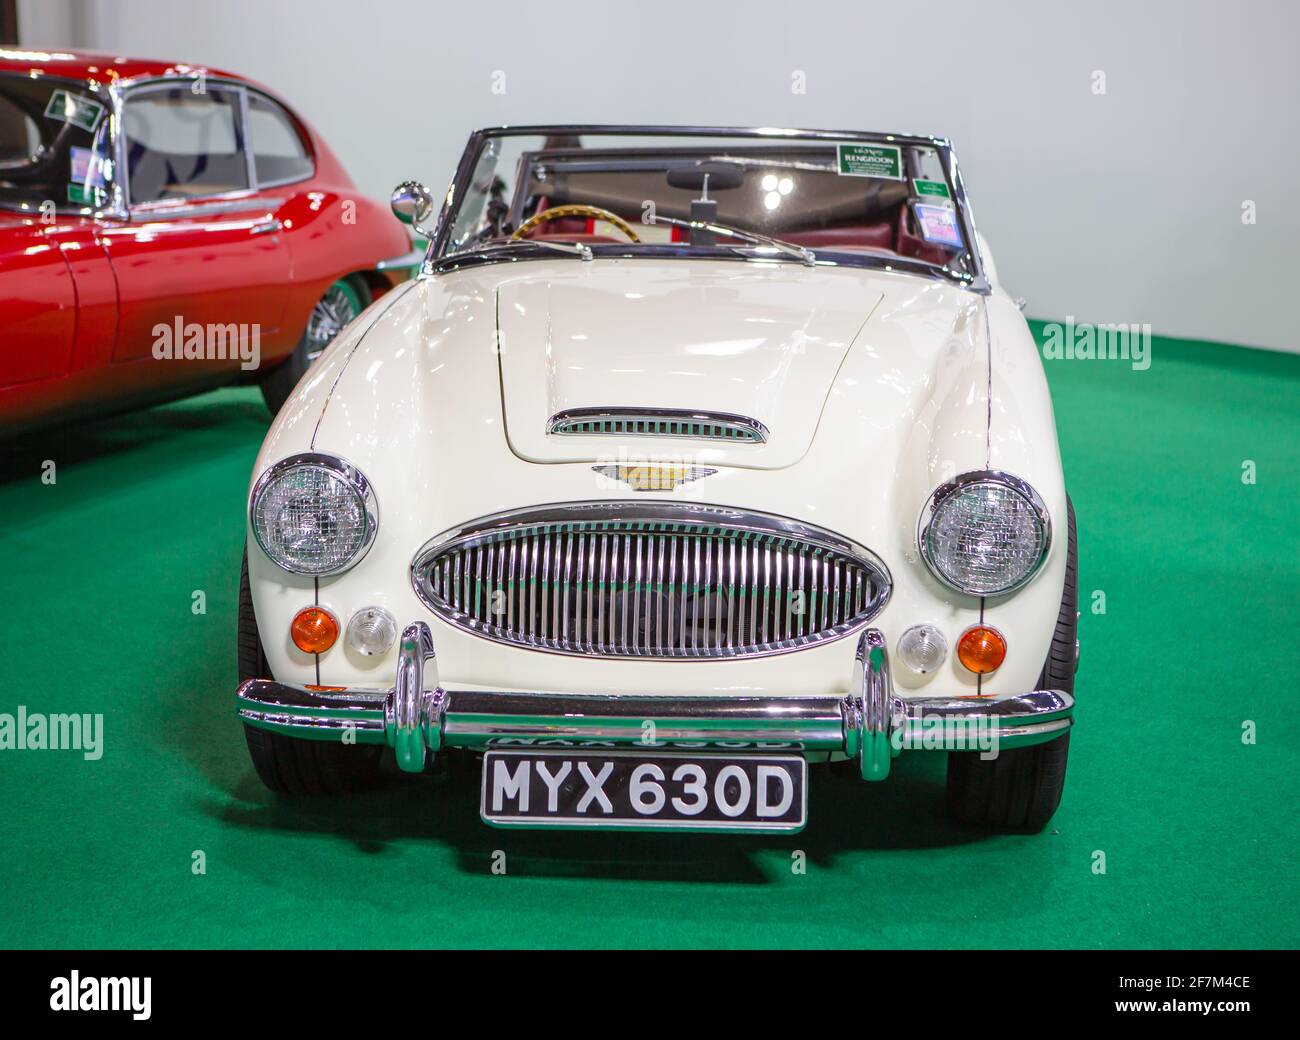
(411, 203)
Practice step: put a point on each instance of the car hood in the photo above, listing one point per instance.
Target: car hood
(762, 342)
(442, 390)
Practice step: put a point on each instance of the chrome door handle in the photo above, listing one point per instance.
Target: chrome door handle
(267, 227)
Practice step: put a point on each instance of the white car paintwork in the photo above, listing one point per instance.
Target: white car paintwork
(877, 387)
(745, 339)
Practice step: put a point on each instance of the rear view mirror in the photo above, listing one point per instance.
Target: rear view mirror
(721, 176)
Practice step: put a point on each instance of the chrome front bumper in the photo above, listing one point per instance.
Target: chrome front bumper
(871, 724)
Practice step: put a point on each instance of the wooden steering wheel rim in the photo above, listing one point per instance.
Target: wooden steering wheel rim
(574, 210)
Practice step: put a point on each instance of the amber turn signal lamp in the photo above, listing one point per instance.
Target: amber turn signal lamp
(981, 649)
(314, 630)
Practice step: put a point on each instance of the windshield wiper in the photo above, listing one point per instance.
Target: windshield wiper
(801, 253)
(569, 248)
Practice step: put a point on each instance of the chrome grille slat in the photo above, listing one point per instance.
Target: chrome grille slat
(678, 633)
(593, 618)
(670, 584)
(495, 583)
(785, 564)
(581, 613)
(753, 594)
(565, 585)
(626, 542)
(826, 584)
(690, 581)
(766, 586)
(544, 592)
(506, 584)
(666, 593)
(636, 600)
(532, 577)
(481, 560)
(702, 601)
(478, 577)
(467, 578)
(722, 613)
(731, 595)
(605, 603)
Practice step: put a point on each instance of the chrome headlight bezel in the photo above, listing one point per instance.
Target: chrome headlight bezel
(945, 491)
(340, 469)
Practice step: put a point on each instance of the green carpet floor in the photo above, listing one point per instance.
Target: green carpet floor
(1200, 831)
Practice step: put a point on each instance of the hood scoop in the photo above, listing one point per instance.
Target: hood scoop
(722, 363)
(657, 422)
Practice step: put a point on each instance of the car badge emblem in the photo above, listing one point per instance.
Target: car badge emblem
(649, 477)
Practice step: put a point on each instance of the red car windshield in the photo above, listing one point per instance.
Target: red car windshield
(53, 141)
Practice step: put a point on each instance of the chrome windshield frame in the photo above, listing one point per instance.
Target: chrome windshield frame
(436, 262)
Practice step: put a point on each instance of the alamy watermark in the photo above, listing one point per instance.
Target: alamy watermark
(72, 992)
(192, 341)
(36, 731)
(1102, 342)
(932, 731)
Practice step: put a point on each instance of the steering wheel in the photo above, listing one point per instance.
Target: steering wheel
(575, 210)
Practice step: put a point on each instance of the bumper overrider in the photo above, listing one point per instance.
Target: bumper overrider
(870, 724)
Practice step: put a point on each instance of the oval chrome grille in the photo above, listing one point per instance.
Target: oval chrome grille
(654, 580)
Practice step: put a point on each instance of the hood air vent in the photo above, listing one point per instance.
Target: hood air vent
(657, 422)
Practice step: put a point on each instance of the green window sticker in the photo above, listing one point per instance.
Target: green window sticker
(76, 109)
(85, 195)
(932, 189)
(870, 160)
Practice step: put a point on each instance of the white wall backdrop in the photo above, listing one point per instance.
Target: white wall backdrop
(1124, 206)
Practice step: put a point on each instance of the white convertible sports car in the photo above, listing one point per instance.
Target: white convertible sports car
(693, 457)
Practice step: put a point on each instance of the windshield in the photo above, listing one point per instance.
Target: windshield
(53, 145)
(869, 200)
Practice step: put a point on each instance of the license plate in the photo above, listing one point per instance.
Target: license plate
(631, 790)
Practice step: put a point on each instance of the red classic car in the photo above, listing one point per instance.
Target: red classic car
(167, 228)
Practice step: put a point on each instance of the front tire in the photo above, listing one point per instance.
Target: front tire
(1021, 788)
(333, 312)
(288, 765)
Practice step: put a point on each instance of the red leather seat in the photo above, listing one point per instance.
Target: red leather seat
(572, 236)
(563, 225)
(862, 236)
(913, 245)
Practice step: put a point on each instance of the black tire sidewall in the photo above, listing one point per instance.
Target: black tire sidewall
(278, 384)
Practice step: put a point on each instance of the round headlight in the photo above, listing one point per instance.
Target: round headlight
(313, 514)
(984, 533)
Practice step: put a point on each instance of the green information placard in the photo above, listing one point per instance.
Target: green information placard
(86, 195)
(76, 109)
(870, 160)
(934, 189)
